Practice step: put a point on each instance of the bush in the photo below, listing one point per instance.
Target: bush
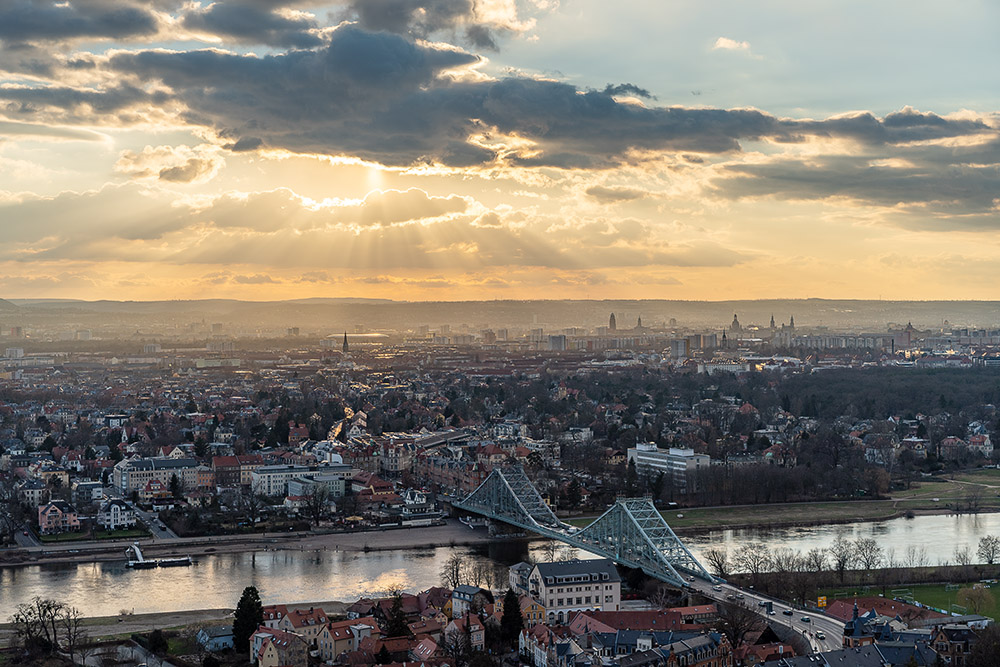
(157, 642)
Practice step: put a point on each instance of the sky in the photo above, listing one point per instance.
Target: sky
(499, 149)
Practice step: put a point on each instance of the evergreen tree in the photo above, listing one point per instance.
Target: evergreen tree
(631, 479)
(383, 657)
(249, 615)
(396, 625)
(175, 486)
(511, 623)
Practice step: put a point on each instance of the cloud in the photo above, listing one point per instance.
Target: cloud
(614, 194)
(628, 89)
(478, 22)
(51, 20)
(255, 22)
(175, 164)
(280, 230)
(924, 186)
(726, 44)
(13, 128)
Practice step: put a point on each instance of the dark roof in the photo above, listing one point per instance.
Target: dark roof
(599, 569)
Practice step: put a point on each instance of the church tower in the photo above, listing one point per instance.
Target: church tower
(345, 341)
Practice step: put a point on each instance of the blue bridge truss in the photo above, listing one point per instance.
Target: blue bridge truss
(631, 532)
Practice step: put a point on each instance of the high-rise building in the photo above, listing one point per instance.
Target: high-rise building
(612, 326)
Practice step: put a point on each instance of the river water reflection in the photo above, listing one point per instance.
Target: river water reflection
(100, 589)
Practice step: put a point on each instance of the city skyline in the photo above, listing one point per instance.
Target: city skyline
(498, 149)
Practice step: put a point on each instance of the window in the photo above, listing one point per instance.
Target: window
(587, 599)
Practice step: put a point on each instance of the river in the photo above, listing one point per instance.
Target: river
(215, 581)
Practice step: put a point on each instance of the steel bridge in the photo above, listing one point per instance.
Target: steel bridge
(632, 532)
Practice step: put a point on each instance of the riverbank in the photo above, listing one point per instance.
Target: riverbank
(122, 626)
(452, 533)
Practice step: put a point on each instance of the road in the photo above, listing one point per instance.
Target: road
(831, 628)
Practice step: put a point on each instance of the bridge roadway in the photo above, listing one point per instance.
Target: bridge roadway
(831, 628)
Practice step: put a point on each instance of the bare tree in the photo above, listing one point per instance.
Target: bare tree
(915, 556)
(815, 560)
(250, 504)
(841, 551)
(457, 646)
(738, 619)
(976, 599)
(869, 553)
(477, 572)
(317, 503)
(974, 497)
(753, 558)
(74, 634)
(989, 549)
(500, 577)
(718, 560)
(452, 573)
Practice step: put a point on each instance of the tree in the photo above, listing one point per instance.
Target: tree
(175, 486)
(738, 620)
(318, 502)
(451, 571)
(753, 558)
(158, 643)
(396, 625)
(631, 479)
(511, 622)
(989, 549)
(869, 553)
(718, 560)
(841, 551)
(816, 560)
(248, 617)
(976, 599)
(987, 647)
(74, 634)
(250, 504)
(574, 495)
(383, 657)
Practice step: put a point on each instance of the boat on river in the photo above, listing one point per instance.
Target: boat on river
(137, 561)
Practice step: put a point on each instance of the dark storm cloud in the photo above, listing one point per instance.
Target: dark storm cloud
(628, 89)
(254, 22)
(49, 20)
(926, 189)
(421, 18)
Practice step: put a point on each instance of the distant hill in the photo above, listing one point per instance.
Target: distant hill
(337, 314)
(8, 305)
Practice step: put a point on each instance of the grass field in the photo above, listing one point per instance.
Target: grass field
(931, 495)
(935, 595)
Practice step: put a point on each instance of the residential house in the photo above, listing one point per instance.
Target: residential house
(273, 648)
(57, 516)
(116, 514)
(216, 637)
(471, 627)
(308, 623)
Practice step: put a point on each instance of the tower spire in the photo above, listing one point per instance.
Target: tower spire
(345, 341)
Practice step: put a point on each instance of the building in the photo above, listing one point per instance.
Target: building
(272, 481)
(57, 516)
(132, 475)
(678, 465)
(216, 637)
(116, 514)
(271, 648)
(575, 585)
